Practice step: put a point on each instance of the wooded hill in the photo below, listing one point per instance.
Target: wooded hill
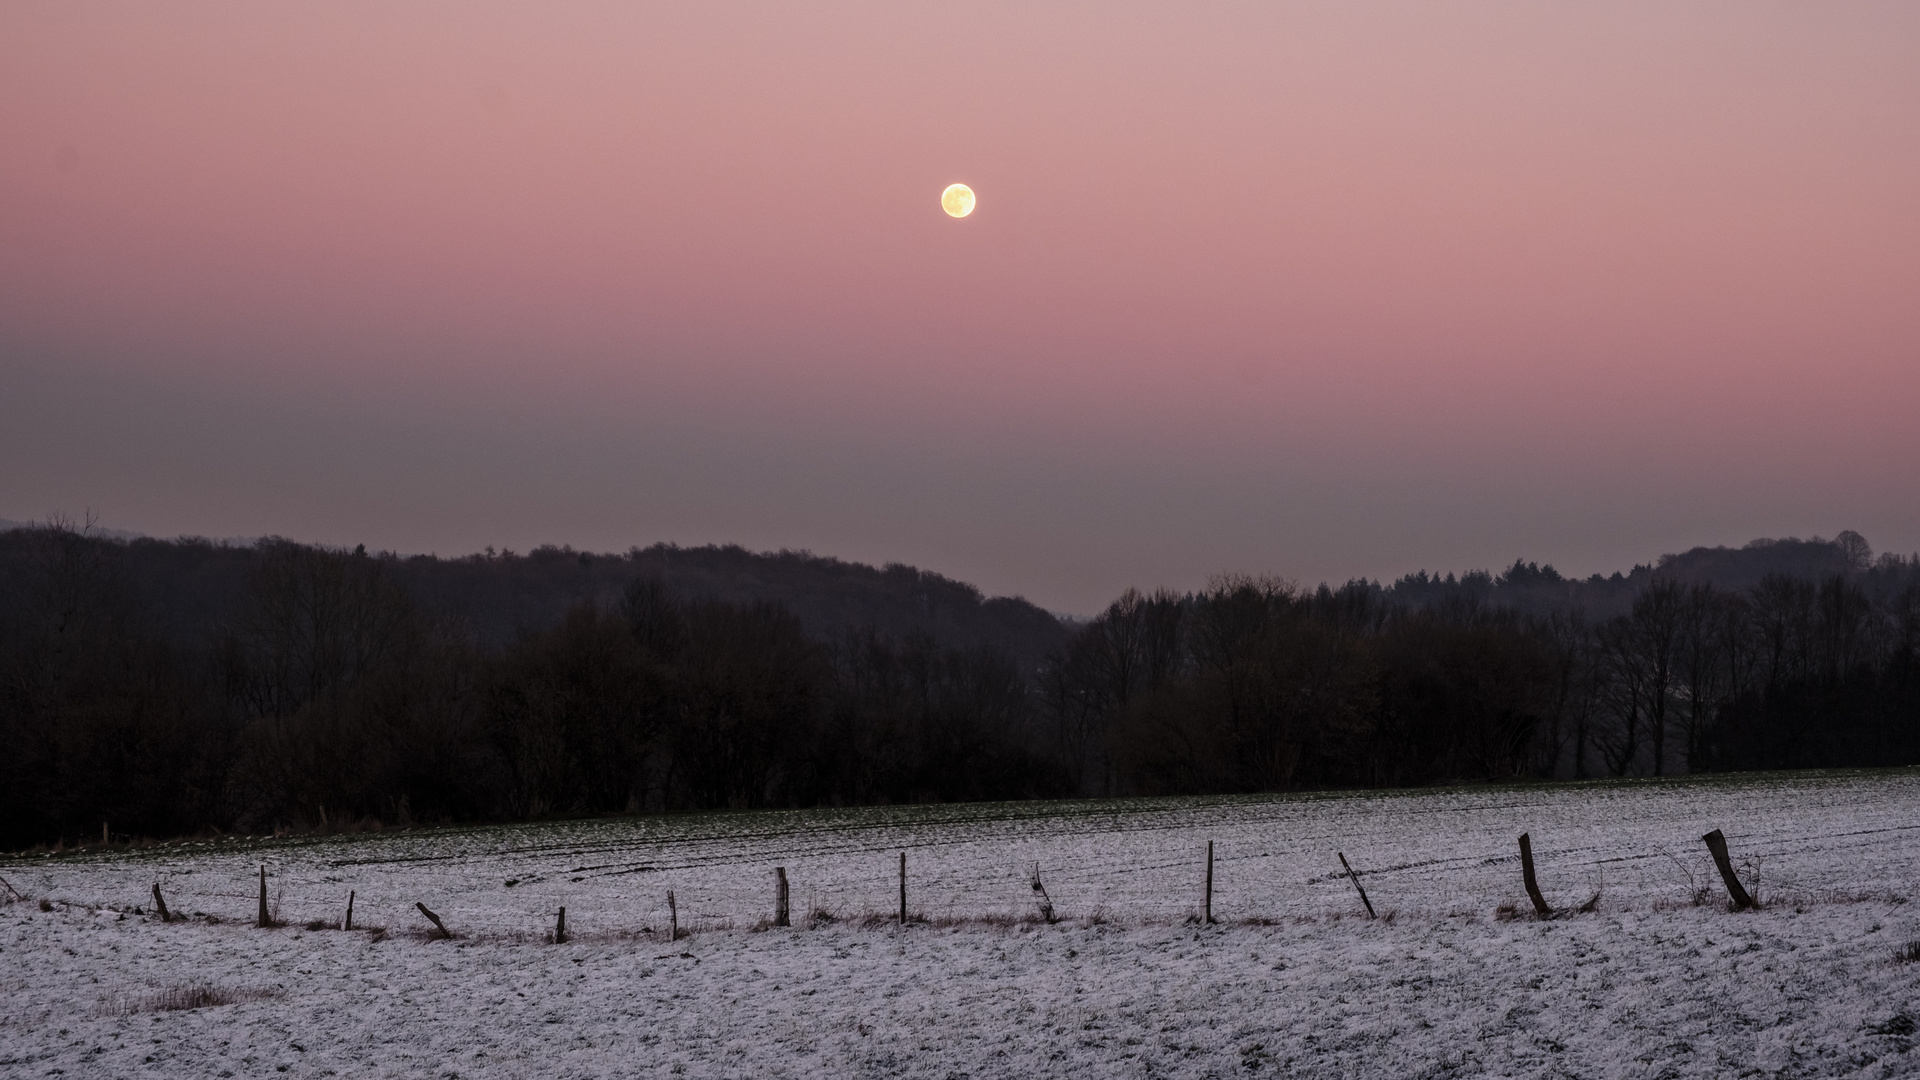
(171, 686)
(190, 589)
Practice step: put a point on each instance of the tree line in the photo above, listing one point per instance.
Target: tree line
(330, 697)
(328, 694)
(1252, 685)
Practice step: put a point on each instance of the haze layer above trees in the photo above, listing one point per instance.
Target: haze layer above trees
(169, 687)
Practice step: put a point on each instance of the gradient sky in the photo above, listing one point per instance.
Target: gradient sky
(1316, 289)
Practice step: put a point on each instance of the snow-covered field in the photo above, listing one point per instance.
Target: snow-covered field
(1293, 981)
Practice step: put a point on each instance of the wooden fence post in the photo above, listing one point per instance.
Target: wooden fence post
(903, 888)
(780, 913)
(103, 834)
(1717, 843)
(435, 920)
(1206, 907)
(160, 904)
(1355, 878)
(264, 919)
(1046, 902)
(560, 928)
(673, 918)
(348, 925)
(1540, 907)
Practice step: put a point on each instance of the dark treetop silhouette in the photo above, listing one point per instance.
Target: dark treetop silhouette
(169, 687)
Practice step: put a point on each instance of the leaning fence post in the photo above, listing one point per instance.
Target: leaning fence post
(780, 917)
(1046, 902)
(1206, 906)
(264, 920)
(1355, 878)
(560, 928)
(160, 904)
(673, 918)
(903, 888)
(1540, 906)
(348, 925)
(1717, 843)
(435, 920)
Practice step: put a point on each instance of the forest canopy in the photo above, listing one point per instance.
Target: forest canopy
(173, 687)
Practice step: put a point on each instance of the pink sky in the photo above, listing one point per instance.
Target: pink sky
(1319, 289)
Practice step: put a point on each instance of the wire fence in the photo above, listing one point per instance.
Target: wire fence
(1797, 838)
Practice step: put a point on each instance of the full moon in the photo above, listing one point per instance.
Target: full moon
(957, 200)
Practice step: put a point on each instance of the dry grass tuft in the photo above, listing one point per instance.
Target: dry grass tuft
(877, 920)
(1908, 953)
(1516, 913)
(994, 920)
(1699, 897)
(192, 996)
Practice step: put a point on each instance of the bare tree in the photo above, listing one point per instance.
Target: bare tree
(1571, 647)
(1703, 665)
(1844, 628)
(1855, 549)
(1782, 615)
(1622, 695)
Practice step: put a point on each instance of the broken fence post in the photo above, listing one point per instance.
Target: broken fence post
(673, 918)
(780, 915)
(1717, 843)
(560, 928)
(264, 920)
(1206, 907)
(1357, 887)
(348, 924)
(903, 888)
(435, 920)
(1540, 906)
(1046, 902)
(160, 904)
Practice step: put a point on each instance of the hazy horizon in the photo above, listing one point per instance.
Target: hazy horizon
(1314, 290)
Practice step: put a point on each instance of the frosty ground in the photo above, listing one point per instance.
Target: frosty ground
(1660, 979)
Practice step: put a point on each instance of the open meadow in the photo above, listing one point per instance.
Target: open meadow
(1456, 977)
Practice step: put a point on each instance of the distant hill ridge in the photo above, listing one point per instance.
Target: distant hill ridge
(500, 594)
(1540, 589)
(192, 585)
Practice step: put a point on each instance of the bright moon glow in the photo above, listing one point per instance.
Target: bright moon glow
(957, 200)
